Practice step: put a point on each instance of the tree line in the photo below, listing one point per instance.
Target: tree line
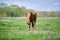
(16, 11)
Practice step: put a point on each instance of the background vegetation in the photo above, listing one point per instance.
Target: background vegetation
(16, 11)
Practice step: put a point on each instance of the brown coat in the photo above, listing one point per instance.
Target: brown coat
(31, 17)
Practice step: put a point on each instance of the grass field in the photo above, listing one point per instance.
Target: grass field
(15, 28)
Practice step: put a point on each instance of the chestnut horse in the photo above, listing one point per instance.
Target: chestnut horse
(31, 19)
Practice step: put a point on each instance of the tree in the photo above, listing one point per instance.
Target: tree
(3, 5)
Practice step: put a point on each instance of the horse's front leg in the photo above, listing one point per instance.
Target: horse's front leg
(28, 26)
(33, 25)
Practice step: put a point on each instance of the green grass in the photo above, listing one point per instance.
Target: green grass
(16, 29)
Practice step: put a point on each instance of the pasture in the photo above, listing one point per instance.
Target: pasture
(15, 28)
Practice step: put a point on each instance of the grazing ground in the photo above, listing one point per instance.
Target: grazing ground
(15, 28)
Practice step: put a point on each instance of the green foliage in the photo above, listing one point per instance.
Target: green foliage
(12, 10)
(16, 11)
(3, 5)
